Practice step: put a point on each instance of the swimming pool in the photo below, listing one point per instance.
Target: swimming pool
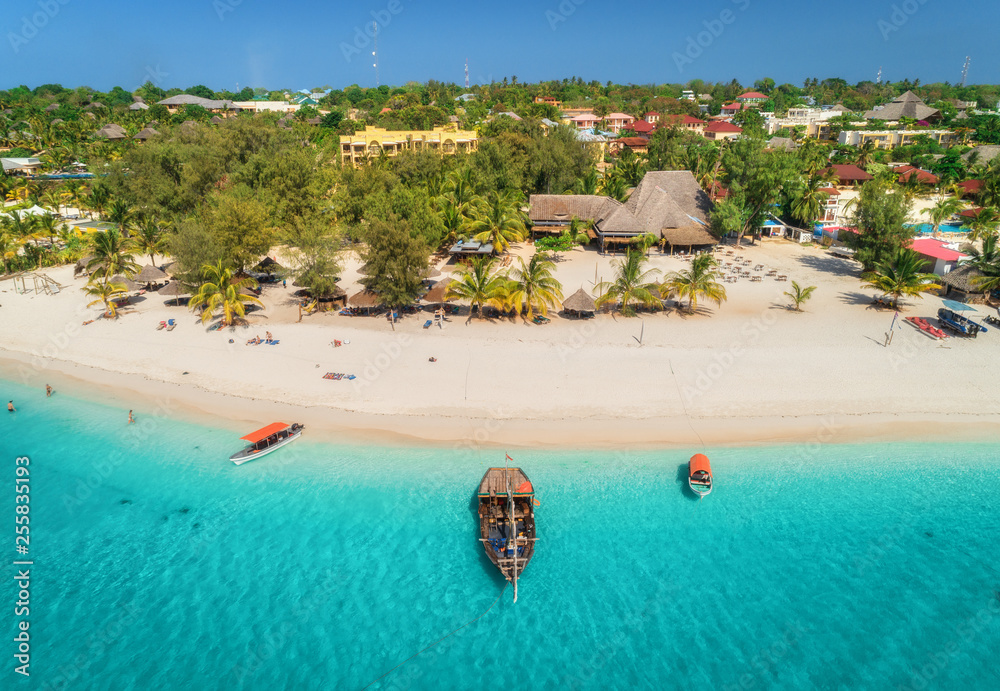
(928, 228)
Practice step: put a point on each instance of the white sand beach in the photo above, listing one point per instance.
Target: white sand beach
(748, 371)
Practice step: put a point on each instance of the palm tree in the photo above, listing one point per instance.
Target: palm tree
(499, 222)
(112, 254)
(902, 275)
(534, 285)
(866, 154)
(799, 295)
(148, 238)
(98, 199)
(983, 224)
(808, 199)
(588, 183)
(631, 285)
(8, 249)
(479, 285)
(222, 292)
(121, 215)
(701, 280)
(943, 210)
(613, 185)
(987, 262)
(104, 293)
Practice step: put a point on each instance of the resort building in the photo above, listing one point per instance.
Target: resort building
(830, 213)
(667, 204)
(731, 109)
(616, 122)
(652, 117)
(374, 141)
(890, 139)
(942, 257)
(909, 105)
(752, 99)
(639, 145)
(21, 166)
(585, 121)
(720, 130)
(176, 104)
(849, 175)
(267, 106)
(548, 100)
(815, 120)
(641, 127)
(907, 173)
(684, 122)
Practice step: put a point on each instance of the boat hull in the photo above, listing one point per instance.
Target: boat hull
(699, 489)
(250, 454)
(509, 541)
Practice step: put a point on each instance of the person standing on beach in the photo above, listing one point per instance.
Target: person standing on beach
(48, 390)
(130, 418)
(10, 406)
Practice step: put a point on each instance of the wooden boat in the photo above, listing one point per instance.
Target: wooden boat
(266, 440)
(507, 520)
(700, 475)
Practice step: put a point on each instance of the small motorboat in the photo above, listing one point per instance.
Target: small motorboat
(700, 475)
(266, 440)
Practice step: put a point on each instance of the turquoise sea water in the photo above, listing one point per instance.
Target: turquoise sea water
(160, 565)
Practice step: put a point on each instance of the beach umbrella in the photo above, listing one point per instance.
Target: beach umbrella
(435, 295)
(173, 289)
(130, 285)
(267, 265)
(430, 272)
(580, 301)
(958, 306)
(149, 274)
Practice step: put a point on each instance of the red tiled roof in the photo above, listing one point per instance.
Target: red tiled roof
(971, 186)
(850, 173)
(732, 106)
(922, 176)
(929, 247)
(830, 191)
(634, 141)
(641, 126)
(651, 114)
(970, 213)
(752, 94)
(679, 119)
(720, 127)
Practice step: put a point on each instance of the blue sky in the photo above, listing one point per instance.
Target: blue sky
(304, 43)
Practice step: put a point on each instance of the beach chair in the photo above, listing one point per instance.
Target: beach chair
(427, 324)
(171, 324)
(161, 326)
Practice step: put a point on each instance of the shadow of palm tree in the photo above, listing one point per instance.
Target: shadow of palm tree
(826, 263)
(856, 298)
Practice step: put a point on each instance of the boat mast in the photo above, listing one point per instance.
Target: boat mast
(513, 522)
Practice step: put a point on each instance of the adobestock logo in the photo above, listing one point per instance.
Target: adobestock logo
(30, 26)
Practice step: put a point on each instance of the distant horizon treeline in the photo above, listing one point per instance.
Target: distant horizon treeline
(512, 94)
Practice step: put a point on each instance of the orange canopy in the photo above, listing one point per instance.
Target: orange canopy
(266, 432)
(699, 462)
(525, 487)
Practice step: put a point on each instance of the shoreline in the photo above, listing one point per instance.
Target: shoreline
(199, 405)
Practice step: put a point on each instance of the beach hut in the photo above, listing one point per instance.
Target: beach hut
(365, 300)
(580, 303)
(147, 133)
(150, 274)
(436, 295)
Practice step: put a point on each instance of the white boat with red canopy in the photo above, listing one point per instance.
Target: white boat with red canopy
(700, 475)
(266, 440)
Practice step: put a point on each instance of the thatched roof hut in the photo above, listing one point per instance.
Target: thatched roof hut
(267, 265)
(173, 289)
(112, 132)
(688, 236)
(130, 285)
(961, 283)
(436, 295)
(147, 133)
(580, 301)
(53, 107)
(366, 299)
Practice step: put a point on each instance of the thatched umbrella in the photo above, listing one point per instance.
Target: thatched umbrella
(579, 302)
(149, 274)
(174, 290)
(81, 264)
(267, 265)
(366, 299)
(436, 295)
(130, 285)
(430, 272)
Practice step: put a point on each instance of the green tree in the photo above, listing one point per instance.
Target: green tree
(880, 216)
(499, 221)
(222, 293)
(701, 280)
(799, 295)
(104, 293)
(902, 276)
(983, 224)
(808, 199)
(121, 215)
(240, 223)
(316, 243)
(149, 238)
(943, 210)
(754, 177)
(987, 262)
(632, 284)
(396, 258)
(111, 254)
(535, 286)
(480, 285)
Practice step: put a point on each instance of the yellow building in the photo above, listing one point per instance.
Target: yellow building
(373, 141)
(890, 139)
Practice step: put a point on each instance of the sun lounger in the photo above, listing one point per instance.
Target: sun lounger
(427, 324)
(161, 326)
(171, 324)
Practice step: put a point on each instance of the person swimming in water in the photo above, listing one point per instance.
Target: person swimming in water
(130, 418)
(10, 406)
(48, 390)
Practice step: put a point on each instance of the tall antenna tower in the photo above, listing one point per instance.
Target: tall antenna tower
(965, 70)
(375, 53)
(467, 73)
(878, 79)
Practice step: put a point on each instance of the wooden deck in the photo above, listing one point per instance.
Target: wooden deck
(495, 481)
